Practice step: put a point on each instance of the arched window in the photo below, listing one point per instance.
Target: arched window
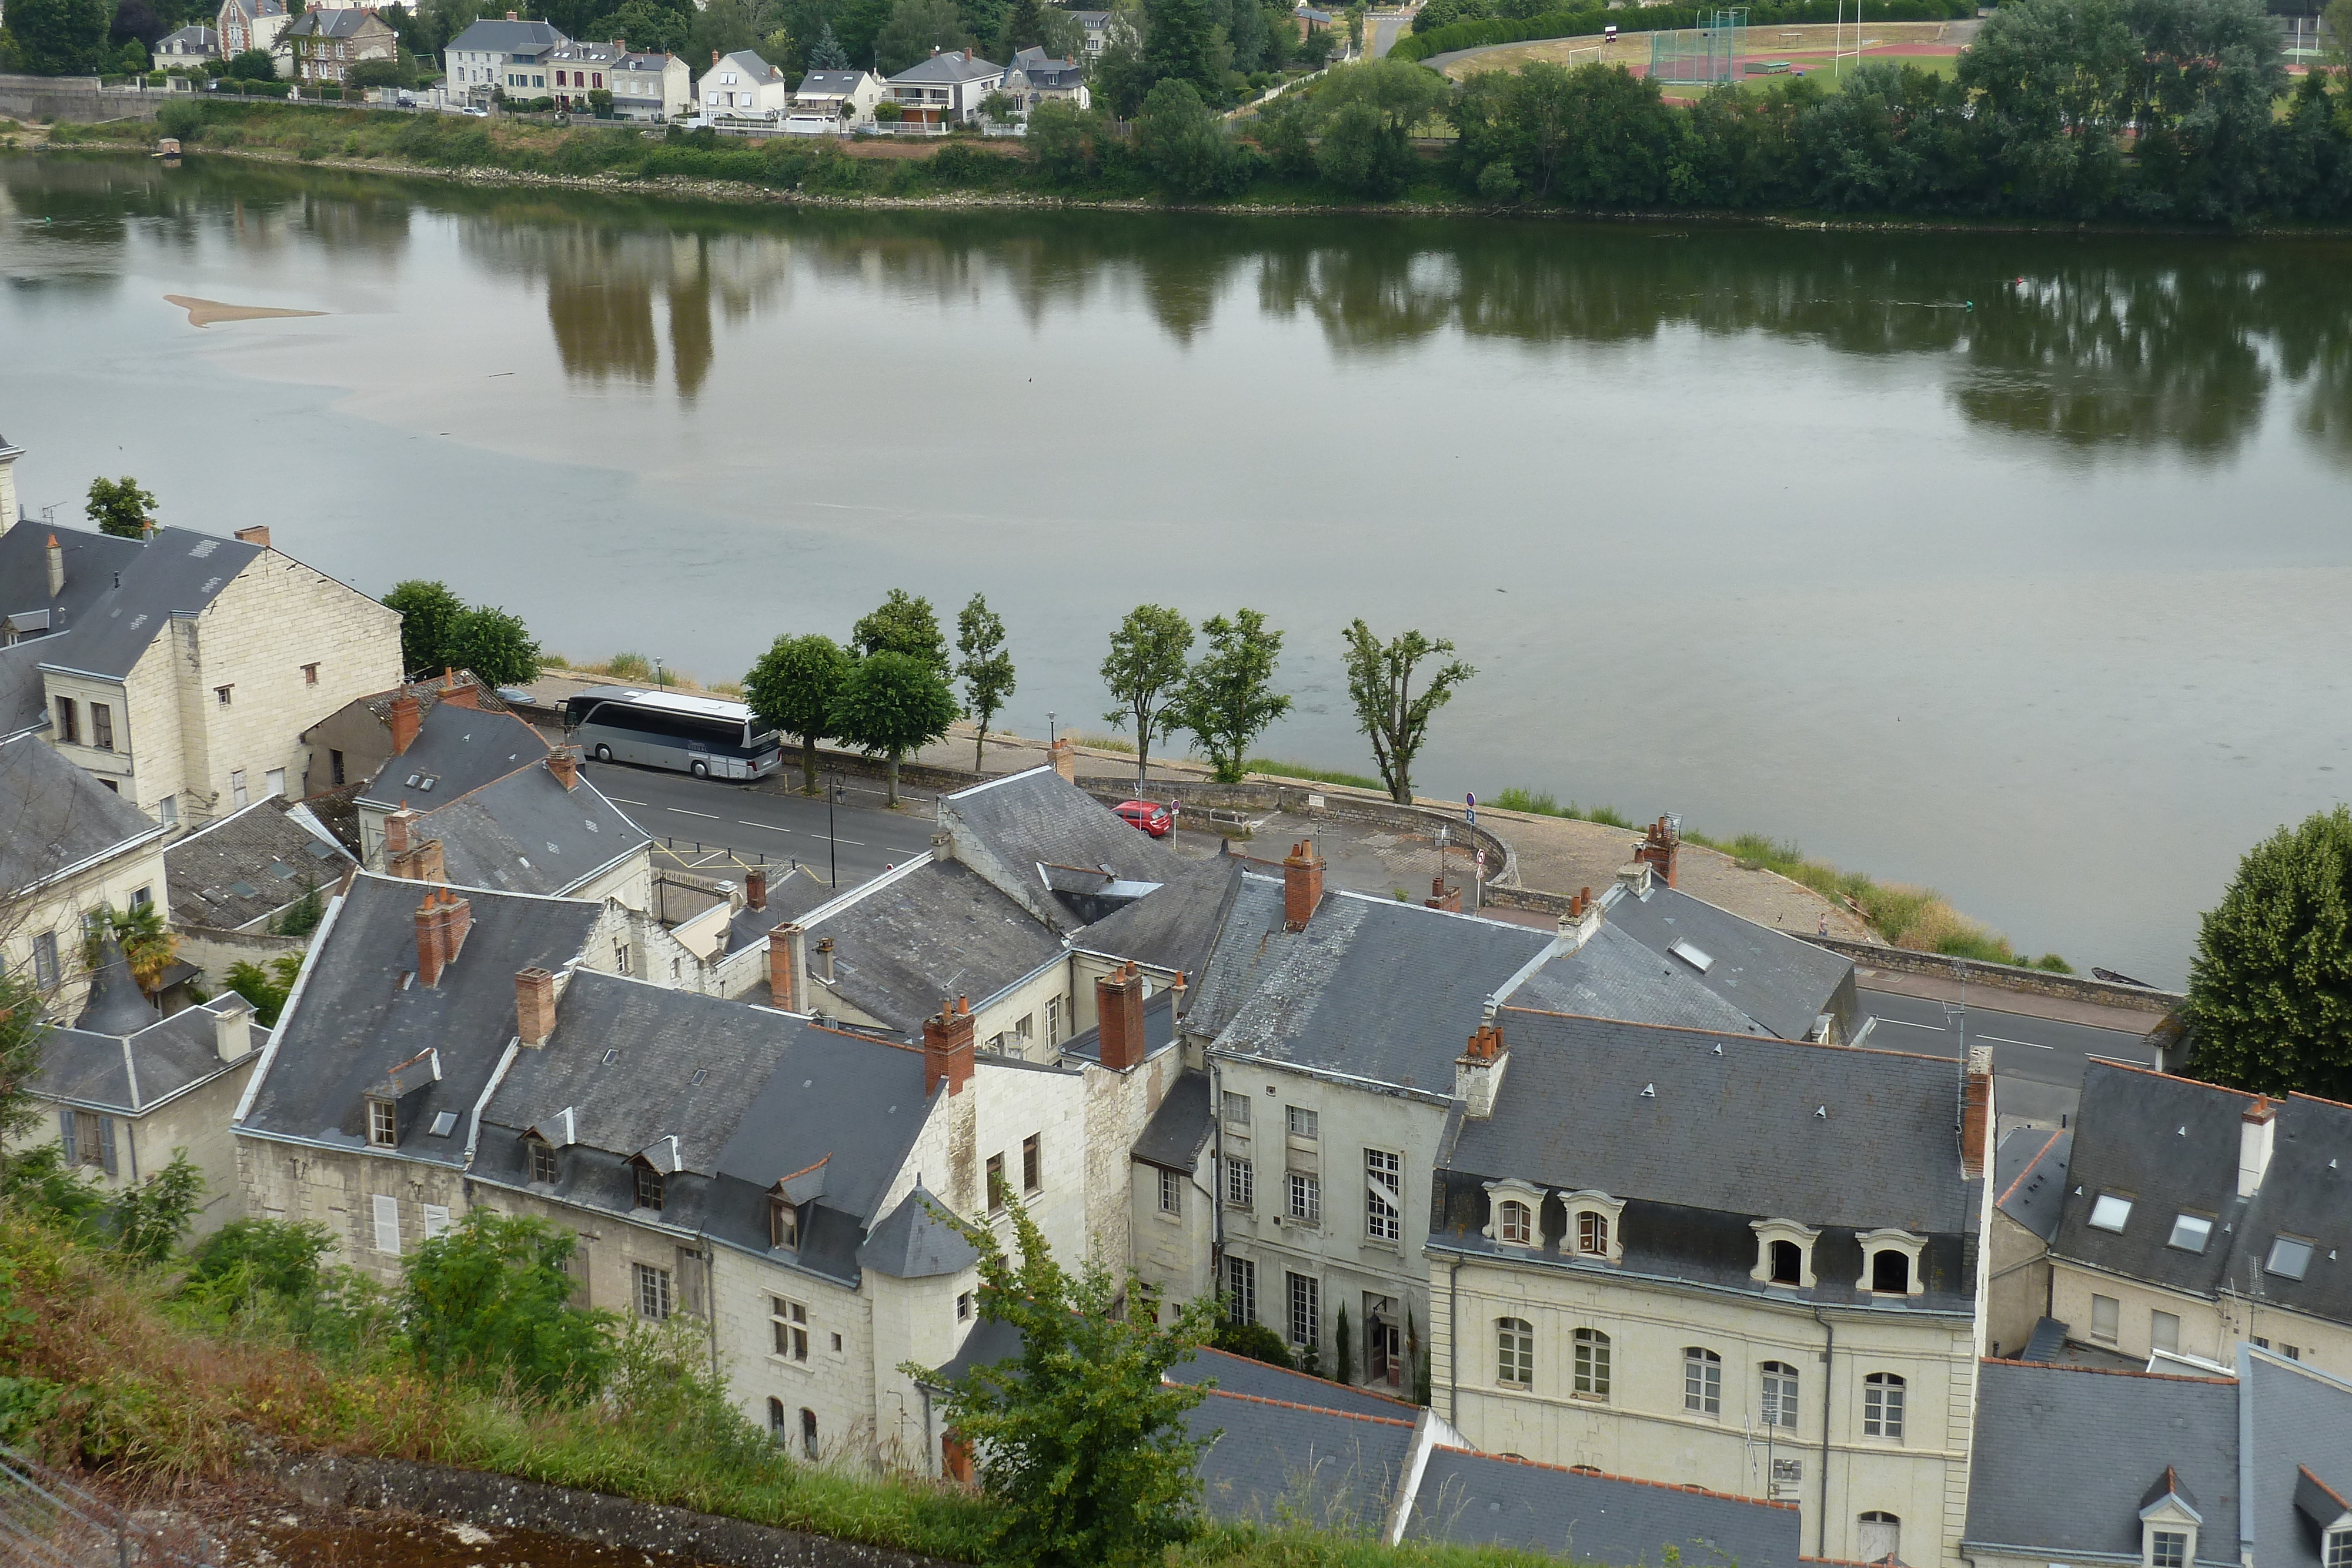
(1880, 1537)
(808, 1433)
(1890, 1272)
(1592, 1364)
(1702, 1380)
(1788, 1263)
(1592, 1233)
(776, 1420)
(1514, 1352)
(1779, 1395)
(1882, 1406)
(1516, 1222)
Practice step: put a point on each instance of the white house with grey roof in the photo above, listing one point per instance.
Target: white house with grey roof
(506, 58)
(651, 85)
(67, 846)
(848, 94)
(947, 88)
(742, 86)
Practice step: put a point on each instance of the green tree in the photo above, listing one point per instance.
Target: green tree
(652, 26)
(724, 25)
(495, 645)
(792, 691)
(120, 507)
(1182, 43)
(2053, 80)
(150, 1216)
(1067, 140)
(2338, 20)
(1088, 1457)
(915, 28)
(825, 53)
(60, 37)
(489, 1300)
(266, 990)
(429, 614)
(1393, 718)
(2270, 991)
(148, 946)
(251, 64)
(1120, 76)
(902, 624)
(986, 669)
(1145, 671)
(1024, 27)
(1343, 1358)
(23, 1028)
(892, 703)
(1183, 143)
(1228, 698)
(1256, 1341)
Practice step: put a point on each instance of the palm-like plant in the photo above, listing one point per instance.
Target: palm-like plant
(148, 946)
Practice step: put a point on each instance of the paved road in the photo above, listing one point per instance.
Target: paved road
(733, 822)
(1382, 32)
(2039, 1062)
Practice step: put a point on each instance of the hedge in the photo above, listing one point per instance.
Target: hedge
(1656, 19)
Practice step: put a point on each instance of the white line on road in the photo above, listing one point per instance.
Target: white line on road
(622, 801)
(1998, 1040)
(684, 813)
(859, 843)
(1907, 1023)
(742, 822)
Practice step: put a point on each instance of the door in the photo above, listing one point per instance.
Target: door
(1387, 1353)
(1880, 1538)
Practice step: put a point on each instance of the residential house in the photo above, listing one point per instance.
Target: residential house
(493, 59)
(2075, 1465)
(187, 46)
(350, 745)
(947, 88)
(651, 86)
(742, 86)
(180, 669)
(541, 828)
(327, 43)
(125, 1090)
(1036, 78)
(1747, 1263)
(2198, 1219)
(68, 846)
(250, 887)
(844, 94)
(243, 25)
(438, 753)
(1097, 25)
(2029, 1196)
(582, 69)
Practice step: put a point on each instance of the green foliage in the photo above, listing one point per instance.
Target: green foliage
(23, 1028)
(792, 690)
(1145, 671)
(1343, 1353)
(985, 668)
(148, 946)
(267, 990)
(428, 614)
(1182, 43)
(488, 1302)
(142, 1221)
(380, 73)
(302, 916)
(150, 1216)
(1067, 140)
(184, 121)
(1087, 1458)
(251, 64)
(902, 624)
(1307, 770)
(1228, 698)
(1394, 717)
(1256, 1341)
(1183, 143)
(893, 703)
(825, 53)
(648, 24)
(915, 28)
(120, 507)
(2270, 991)
(60, 37)
(495, 645)
(132, 57)
(1541, 803)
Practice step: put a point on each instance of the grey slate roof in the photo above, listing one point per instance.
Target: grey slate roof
(991, 1340)
(1249, 943)
(264, 847)
(355, 1015)
(1175, 927)
(1158, 1030)
(1180, 1129)
(2063, 1457)
(929, 931)
(1612, 976)
(53, 815)
(1028, 824)
(1047, 71)
(502, 37)
(829, 84)
(949, 67)
(114, 1005)
(456, 751)
(128, 1075)
(1480, 1500)
(200, 39)
(1381, 990)
(746, 63)
(1781, 982)
(318, 22)
(2307, 1194)
(790, 895)
(914, 1243)
(1270, 1463)
(2029, 1177)
(2295, 1441)
(101, 628)
(526, 833)
(1239, 1375)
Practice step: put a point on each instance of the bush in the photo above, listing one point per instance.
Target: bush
(1256, 1341)
(490, 1301)
(184, 121)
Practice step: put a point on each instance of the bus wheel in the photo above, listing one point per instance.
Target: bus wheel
(700, 769)
(603, 754)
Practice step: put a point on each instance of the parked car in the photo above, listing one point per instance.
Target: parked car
(478, 110)
(1149, 816)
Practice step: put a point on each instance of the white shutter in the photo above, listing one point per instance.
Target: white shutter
(387, 1224)
(437, 1219)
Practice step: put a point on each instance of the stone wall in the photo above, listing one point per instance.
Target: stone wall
(212, 949)
(79, 99)
(2003, 977)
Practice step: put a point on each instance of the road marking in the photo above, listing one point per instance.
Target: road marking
(1907, 1023)
(859, 843)
(622, 801)
(684, 813)
(771, 827)
(897, 851)
(1999, 1040)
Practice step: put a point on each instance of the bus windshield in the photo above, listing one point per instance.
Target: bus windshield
(705, 737)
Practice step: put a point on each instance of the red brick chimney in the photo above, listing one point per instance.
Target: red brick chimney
(459, 694)
(431, 955)
(788, 967)
(534, 1005)
(1302, 886)
(1976, 1112)
(1660, 848)
(425, 862)
(947, 1047)
(257, 534)
(714, 57)
(565, 767)
(1444, 897)
(755, 888)
(1065, 762)
(407, 715)
(1478, 1070)
(397, 828)
(1118, 1017)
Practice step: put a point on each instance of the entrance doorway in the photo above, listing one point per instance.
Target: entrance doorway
(1383, 1342)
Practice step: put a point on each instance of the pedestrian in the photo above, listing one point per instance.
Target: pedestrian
(1825, 924)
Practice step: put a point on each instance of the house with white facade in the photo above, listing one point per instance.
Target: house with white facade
(68, 847)
(947, 88)
(651, 85)
(848, 96)
(187, 46)
(243, 25)
(508, 56)
(742, 86)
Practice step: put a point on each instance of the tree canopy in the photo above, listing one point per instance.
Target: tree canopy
(440, 630)
(902, 624)
(985, 667)
(1145, 670)
(61, 38)
(1228, 698)
(488, 1300)
(120, 507)
(893, 703)
(2270, 991)
(1393, 718)
(792, 690)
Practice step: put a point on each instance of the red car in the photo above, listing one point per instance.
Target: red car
(1149, 815)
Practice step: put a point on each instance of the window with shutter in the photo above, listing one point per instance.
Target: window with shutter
(437, 1219)
(387, 1223)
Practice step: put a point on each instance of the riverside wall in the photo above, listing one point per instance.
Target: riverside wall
(77, 99)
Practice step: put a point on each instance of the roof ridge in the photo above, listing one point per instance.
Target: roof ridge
(1607, 1476)
(2028, 1168)
(2104, 1371)
(2122, 1066)
(1295, 1405)
(1199, 1350)
(1728, 1034)
(2333, 1496)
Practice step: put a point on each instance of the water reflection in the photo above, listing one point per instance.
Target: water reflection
(2086, 347)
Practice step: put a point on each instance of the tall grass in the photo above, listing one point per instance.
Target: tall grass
(1306, 770)
(1541, 803)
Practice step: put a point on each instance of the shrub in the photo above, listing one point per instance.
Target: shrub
(184, 121)
(1256, 1341)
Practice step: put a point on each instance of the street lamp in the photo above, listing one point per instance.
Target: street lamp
(1050, 736)
(660, 680)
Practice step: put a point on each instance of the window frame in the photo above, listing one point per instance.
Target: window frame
(1236, 1108)
(1594, 1364)
(1303, 1121)
(1515, 1352)
(653, 1296)
(2168, 1547)
(788, 1322)
(2203, 1225)
(1241, 1183)
(1303, 1296)
(1033, 1163)
(1702, 1380)
(651, 1192)
(2273, 1261)
(383, 1123)
(1886, 1397)
(1172, 1193)
(783, 1223)
(1384, 1220)
(997, 1189)
(2114, 1314)
(1514, 1222)
(1305, 1198)
(544, 1169)
(1779, 1395)
(1241, 1289)
(2110, 1212)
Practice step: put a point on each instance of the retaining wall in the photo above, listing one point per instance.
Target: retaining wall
(77, 99)
(1198, 799)
(2006, 977)
(213, 950)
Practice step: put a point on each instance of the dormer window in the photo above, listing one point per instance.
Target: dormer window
(1515, 1223)
(1784, 1254)
(2109, 1212)
(1890, 1272)
(1515, 1210)
(542, 1162)
(384, 1124)
(1892, 1263)
(1595, 1229)
(649, 1187)
(1786, 1262)
(1592, 1233)
(2168, 1548)
(2336, 1551)
(783, 1224)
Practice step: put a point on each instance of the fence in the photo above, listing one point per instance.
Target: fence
(46, 1522)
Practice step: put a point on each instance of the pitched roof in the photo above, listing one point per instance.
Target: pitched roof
(324, 24)
(527, 833)
(914, 1243)
(791, 895)
(202, 36)
(1159, 1029)
(1272, 1463)
(2306, 1195)
(1781, 982)
(357, 1010)
(949, 67)
(644, 62)
(114, 1005)
(1249, 944)
(251, 864)
(497, 36)
(826, 84)
(1612, 975)
(1035, 832)
(1178, 1130)
(2295, 1463)
(2064, 1455)
(1472, 1499)
(2029, 1177)
(928, 931)
(457, 749)
(743, 62)
(1240, 1375)
(134, 1073)
(1174, 927)
(55, 816)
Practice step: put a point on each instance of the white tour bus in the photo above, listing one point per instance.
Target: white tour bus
(705, 737)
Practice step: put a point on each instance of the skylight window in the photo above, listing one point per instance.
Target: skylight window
(2110, 1212)
(1696, 957)
(2289, 1257)
(2189, 1232)
(443, 1122)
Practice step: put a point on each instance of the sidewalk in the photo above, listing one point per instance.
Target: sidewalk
(2057, 1009)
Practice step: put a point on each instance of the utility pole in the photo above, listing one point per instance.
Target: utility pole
(831, 854)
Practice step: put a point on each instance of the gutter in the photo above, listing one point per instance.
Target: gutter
(1453, 1345)
(285, 1014)
(1829, 1371)
(1695, 1287)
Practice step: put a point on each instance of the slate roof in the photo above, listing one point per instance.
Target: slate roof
(1250, 943)
(791, 895)
(201, 40)
(2306, 1194)
(325, 23)
(113, 1005)
(53, 815)
(1175, 927)
(132, 1074)
(2294, 1462)
(251, 864)
(2029, 1177)
(1272, 1464)
(527, 833)
(991, 1340)
(103, 628)
(357, 1012)
(914, 1243)
(457, 750)
(1158, 1030)
(1471, 1499)
(829, 84)
(2065, 1454)
(1180, 1129)
(1239, 1375)
(951, 66)
(1047, 71)
(502, 37)
(1781, 982)
(1028, 824)
(928, 931)
(1612, 976)
(644, 62)
(1381, 990)
(746, 63)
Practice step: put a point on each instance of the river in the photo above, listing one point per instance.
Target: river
(2018, 566)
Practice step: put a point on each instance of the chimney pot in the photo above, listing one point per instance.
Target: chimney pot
(1065, 762)
(425, 864)
(534, 1005)
(1478, 1070)
(2257, 1136)
(407, 717)
(1302, 886)
(565, 765)
(947, 1049)
(1118, 1017)
(1443, 897)
(57, 566)
(258, 534)
(233, 1028)
(429, 951)
(396, 829)
(1976, 1112)
(1660, 848)
(824, 959)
